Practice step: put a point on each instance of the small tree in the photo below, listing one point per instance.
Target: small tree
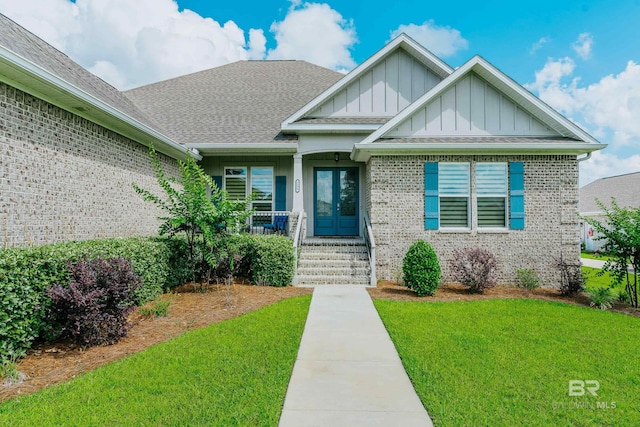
(620, 232)
(194, 204)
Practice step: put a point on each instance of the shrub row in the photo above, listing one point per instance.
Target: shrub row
(26, 274)
(162, 263)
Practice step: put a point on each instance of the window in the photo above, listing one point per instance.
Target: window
(491, 193)
(454, 192)
(497, 195)
(261, 188)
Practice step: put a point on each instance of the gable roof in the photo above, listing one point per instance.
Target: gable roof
(238, 103)
(34, 66)
(402, 41)
(575, 140)
(624, 188)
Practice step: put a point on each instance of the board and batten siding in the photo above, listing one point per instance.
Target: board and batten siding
(383, 91)
(471, 107)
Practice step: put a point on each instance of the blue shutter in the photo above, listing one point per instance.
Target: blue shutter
(516, 195)
(218, 181)
(281, 193)
(431, 196)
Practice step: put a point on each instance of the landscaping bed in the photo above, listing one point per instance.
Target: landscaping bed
(454, 292)
(51, 363)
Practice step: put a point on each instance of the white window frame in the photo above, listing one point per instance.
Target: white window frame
(505, 195)
(446, 195)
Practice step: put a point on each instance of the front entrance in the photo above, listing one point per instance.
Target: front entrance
(335, 201)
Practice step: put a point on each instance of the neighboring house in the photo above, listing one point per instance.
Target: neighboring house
(625, 189)
(404, 142)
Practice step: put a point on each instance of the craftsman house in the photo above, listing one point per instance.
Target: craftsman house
(402, 148)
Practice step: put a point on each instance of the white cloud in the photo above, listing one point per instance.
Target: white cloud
(604, 164)
(609, 109)
(257, 44)
(442, 41)
(316, 33)
(539, 44)
(582, 46)
(130, 43)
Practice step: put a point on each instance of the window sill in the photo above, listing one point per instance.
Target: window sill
(493, 231)
(454, 230)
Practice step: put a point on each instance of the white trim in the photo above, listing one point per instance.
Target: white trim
(331, 127)
(422, 54)
(520, 95)
(363, 151)
(30, 69)
(243, 148)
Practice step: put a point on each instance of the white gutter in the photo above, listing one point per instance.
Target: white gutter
(24, 66)
(363, 151)
(240, 148)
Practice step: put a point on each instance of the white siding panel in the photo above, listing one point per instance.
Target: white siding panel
(418, 80)
(449, 111)
(434, 117)
(477, 104)
(472, 107)
(353, 97)
(390, 86)
(492, 109)
(463, 105)
(366, 91)
(392, 81)
(405, 76)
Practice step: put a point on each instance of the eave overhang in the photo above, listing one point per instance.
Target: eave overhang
(363, 151)
(245, 148)
(29, 77)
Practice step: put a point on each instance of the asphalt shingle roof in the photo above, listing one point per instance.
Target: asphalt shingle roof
(32, 48)
(241, 102)
(624, 188)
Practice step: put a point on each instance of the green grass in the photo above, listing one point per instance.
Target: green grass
(591, 255)
(231, 373)
(509, 362)
(594, 281)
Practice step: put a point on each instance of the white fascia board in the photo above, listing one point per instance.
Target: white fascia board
(249, 148)
(428, 57)
(483, 68)
(363, 151)
(35, 72)
(330, 128)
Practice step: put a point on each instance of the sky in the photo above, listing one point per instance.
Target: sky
(580, 57)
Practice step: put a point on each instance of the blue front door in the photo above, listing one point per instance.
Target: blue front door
(335, 201)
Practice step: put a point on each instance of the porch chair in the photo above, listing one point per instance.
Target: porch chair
(279, 224)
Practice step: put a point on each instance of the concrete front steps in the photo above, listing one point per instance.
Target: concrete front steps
(333, 261)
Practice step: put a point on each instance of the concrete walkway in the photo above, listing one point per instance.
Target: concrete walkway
(348, 372)
(596, 263)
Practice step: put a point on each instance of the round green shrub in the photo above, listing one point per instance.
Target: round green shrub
(421, 269)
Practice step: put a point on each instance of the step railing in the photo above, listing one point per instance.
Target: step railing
(298, 237)
(370, 242)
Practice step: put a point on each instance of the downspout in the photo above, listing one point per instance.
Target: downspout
(584, 229)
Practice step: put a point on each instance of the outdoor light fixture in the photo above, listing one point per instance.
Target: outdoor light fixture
(336, 156)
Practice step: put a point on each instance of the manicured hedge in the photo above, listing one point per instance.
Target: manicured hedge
(26, 273)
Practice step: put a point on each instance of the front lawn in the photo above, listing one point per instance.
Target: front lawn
(593, 280)
(593, 255)
(509, 362)
(232, 373)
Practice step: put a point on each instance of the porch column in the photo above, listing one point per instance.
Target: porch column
(298, 200)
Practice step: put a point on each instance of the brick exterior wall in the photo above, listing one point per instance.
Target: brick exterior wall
(63, 177)
(395, 203)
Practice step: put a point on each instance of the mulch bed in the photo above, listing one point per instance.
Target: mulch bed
(51, 363)
(455, 292)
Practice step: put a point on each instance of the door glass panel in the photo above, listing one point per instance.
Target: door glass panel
(324, 193)
(348, 191)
